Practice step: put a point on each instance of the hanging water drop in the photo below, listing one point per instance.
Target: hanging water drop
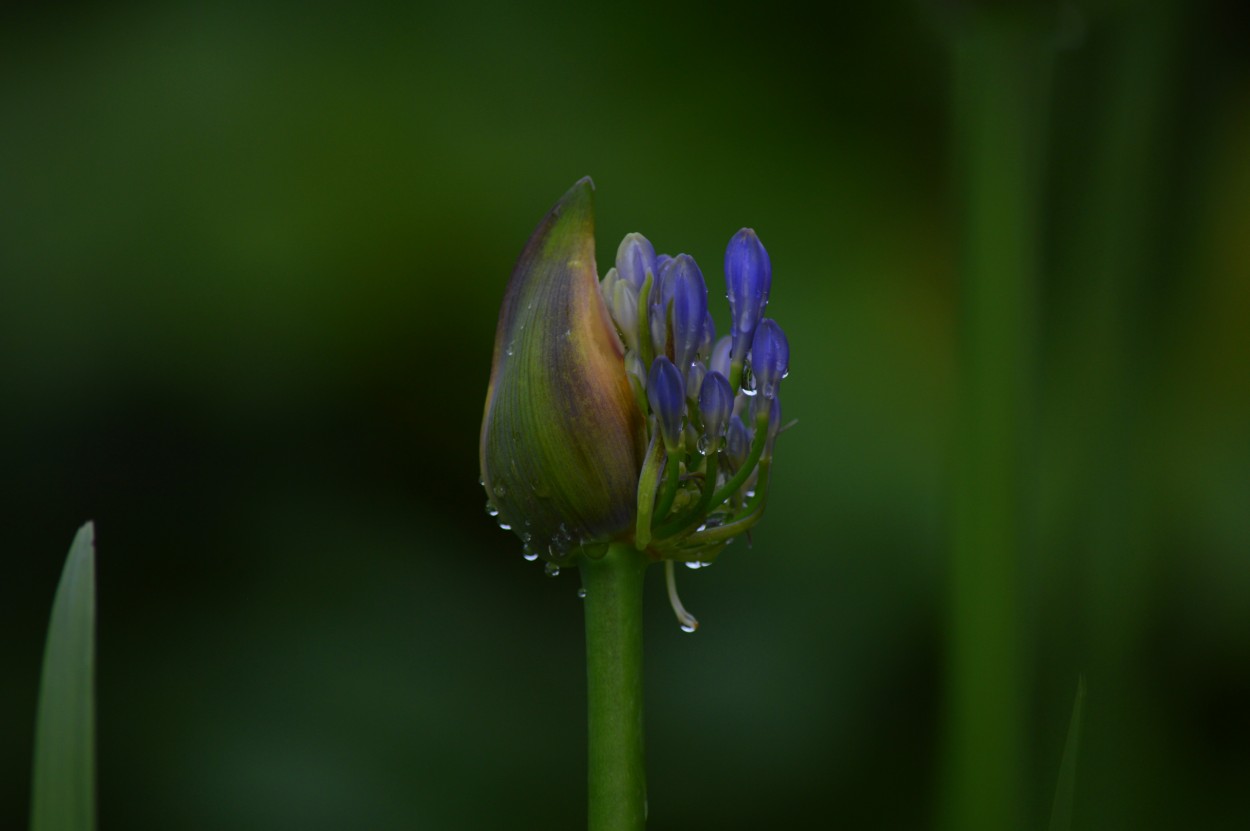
(694, 564)
(581, 593)
(704, 444)
(505, 526)
(552, 569)
(689, 627)
(528, 552)
(491, 509)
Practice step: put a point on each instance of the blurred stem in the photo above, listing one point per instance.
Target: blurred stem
(617, 777)
(1000, 91)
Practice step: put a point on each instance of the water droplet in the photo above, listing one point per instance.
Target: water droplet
(582, 593)
(751, 493)
(529, 553)
(505, 526)
(491, 510)
(785, 375)
(508, 350)
(702, 527)
(705, 444)
(694, 564)
(688, 627)
(500, 490)
(552, 569)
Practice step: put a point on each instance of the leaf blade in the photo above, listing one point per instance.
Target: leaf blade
(63, 780)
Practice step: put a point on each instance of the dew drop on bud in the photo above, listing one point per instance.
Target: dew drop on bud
(705, 443)
(505, 526)
(491, 510)
(694, 564)
(552, 569)
(688, 628)
(529, 553)
(581, 593)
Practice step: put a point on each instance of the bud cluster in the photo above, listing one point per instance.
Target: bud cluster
(712, 406)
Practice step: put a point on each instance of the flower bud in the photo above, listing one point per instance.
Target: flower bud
(666, 395)
(720, 356)
(634, 257)
(770, 357)
(562, 438)
(748, 276)
(689, 309)
(716, 402)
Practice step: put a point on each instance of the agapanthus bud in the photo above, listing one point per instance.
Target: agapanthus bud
(708, 338)
(562, 437)
(624, 307)
(689, 309)
(716, 401)
(770, 357)
(748, 277)
(667, 397)
(720, 356)
(737, 441)
(583, 442)
(634, 257)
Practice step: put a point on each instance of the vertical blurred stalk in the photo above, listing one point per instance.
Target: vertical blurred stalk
(1113, 253)
(1001, 81)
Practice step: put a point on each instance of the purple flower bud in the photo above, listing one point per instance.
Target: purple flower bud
(770, 357)
(720, 356)
(633, 257)
(689, 309)
(661, 262)
(708, 340)
(623, 304)
(748, 276)
(666, 394)
(694, 379)
(657, 318)
(737, 441)
(716, 401)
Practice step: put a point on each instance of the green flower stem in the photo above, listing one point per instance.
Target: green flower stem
(617, 777)
(672, 475)
(757, 448)
(744, 521)
(691, 517)
(1001, 59)
(648, 481)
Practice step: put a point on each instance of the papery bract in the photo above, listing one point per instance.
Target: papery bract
(562, 438)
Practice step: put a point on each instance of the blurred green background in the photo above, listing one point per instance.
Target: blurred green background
(250, 264)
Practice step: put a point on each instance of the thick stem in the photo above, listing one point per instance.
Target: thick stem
(617, 778)
(1001, 62)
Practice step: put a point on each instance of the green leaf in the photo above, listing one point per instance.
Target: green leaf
(1065, 790)
(63, 791)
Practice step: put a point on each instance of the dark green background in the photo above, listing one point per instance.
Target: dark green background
(250, 262)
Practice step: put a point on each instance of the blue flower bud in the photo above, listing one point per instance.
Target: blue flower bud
(623, 304)
(666, 394)
(708, 339)
(716, 401)
(634, 256)
(689, 309)
(748, 276)
(737, 441)
(720, 356)
(770, 357)
(694, 379)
